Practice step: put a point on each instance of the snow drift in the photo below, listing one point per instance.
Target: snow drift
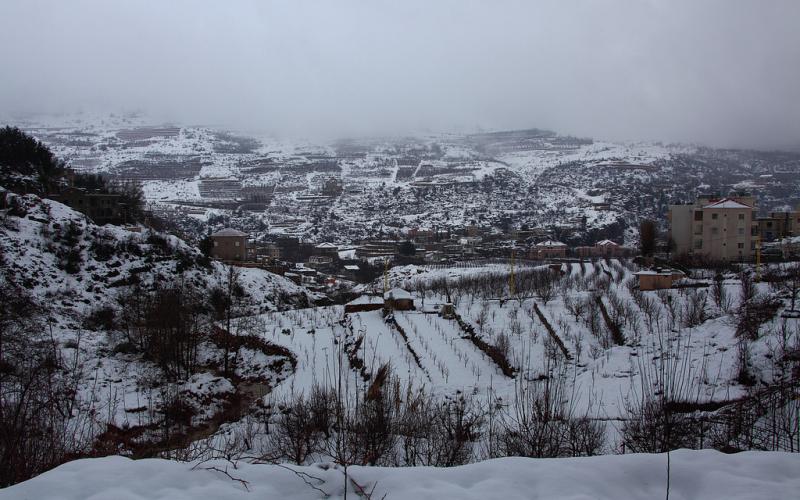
(694, 475)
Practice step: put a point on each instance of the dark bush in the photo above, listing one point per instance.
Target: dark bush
(103, 250)
(101, 318)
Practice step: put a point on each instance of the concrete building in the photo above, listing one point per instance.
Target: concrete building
(229, 244)
(327, 249)
(603, 248)
(658, 279)
(548, 250)
(779, 225)
(377, 249)
(714, 228)
(332, 188)
(102, 208)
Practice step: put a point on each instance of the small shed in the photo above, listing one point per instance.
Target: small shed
(447, 311)
(658, 279)
(364, 303)
(399, 299)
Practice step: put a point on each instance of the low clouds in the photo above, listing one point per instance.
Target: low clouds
(722, 72)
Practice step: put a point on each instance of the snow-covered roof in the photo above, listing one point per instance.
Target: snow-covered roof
(551, 243)
(326, 245)
(727, 203)
(397, 293)
(607, 243)
(228, 232)
(351, 267)
(658, 272)
(366, 299)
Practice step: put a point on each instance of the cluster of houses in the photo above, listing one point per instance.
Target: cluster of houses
(326, 266)
(234, 246)
(319, 271)
(717, 228)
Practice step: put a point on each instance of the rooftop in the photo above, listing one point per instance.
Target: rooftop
(397, 293)
(366, 299)
(658, 272)
(228, 232)
(727, 203)
(551, 243)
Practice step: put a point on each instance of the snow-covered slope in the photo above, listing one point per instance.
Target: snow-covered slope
(706, 475)
(603, 372)
(74, 271)
(73, 264)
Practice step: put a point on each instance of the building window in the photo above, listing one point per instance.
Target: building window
(698, 215)
(741, 231)
(714, 230)
(740, 245)
(714, 216)
(698, 244)
(236, 243)
(741, 216)
(216, 243)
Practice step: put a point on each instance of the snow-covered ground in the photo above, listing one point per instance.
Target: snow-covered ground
(601, 374)
(112, 385)
(707, 475)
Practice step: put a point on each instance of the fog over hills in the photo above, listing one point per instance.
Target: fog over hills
(723, 73)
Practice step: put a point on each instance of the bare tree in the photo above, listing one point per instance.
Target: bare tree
(788, 283)
(720, 295)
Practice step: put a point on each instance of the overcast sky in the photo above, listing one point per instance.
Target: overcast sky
(721, 72)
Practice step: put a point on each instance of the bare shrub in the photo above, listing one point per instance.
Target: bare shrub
(540, 424)
(40, 421)
(694, 309)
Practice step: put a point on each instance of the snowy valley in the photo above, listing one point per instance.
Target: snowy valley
(134, 341)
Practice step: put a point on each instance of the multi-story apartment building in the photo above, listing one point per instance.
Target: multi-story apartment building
(715, 228)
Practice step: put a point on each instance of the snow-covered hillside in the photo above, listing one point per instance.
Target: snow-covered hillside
(81, 282)
(389, 185)
(603, 371)
(708, 475)
(66, 260)
(593, 348)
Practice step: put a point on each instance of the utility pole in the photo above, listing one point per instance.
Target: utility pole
(758, 257)
(385, 275)
(511, 281)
